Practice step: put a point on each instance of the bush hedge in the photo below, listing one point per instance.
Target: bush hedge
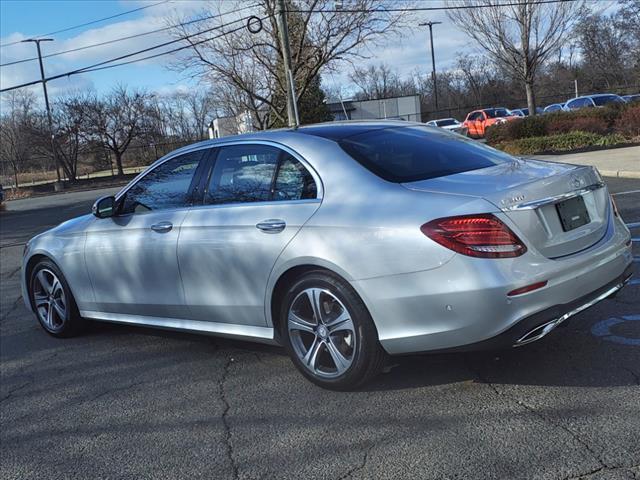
(559, 143)
(608, 119)
(629, 122)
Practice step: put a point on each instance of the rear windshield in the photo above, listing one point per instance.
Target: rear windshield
(408, 154)
(599, 101)
(446, 122)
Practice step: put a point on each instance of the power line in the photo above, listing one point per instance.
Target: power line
(104, 64)
(422, 9)
(191, 45)
(90, 23)
(129, 37)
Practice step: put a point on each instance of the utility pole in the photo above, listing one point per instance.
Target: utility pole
(433, 60)
(292, 106)
(46, 102)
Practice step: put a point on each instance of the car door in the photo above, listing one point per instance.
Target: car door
(131, 257)
(472, 124)
(257, 199)
(481, 124)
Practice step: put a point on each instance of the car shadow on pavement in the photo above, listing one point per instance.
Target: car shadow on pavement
(569, 357)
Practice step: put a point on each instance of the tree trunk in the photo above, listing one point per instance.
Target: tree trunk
(15, 176)
(118, 155)
(531, 97)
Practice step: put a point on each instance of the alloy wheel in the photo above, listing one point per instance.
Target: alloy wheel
(322, 332)
(49, 299)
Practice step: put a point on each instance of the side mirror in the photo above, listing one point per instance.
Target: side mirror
(104, 207)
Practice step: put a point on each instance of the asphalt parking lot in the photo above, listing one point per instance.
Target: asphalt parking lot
(127, 402)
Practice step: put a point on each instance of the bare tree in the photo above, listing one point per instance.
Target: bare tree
(520, 36)
(247, 68)
(16, 123)
(379, 81)
(116, 120)
(605, 48)
(182, 116)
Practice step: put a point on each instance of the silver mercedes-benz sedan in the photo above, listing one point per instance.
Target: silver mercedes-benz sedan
(343, 242)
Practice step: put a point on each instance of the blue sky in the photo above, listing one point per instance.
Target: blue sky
(20, 19)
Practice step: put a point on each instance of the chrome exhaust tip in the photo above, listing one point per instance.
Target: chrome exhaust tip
(542, 330)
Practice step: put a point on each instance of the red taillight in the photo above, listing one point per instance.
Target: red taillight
(482, 235)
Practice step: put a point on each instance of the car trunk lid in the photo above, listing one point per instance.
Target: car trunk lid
(560, 209)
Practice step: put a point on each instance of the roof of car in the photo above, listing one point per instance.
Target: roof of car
(597, 95)
(340, 130)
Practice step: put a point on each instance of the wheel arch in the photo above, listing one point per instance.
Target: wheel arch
(31, 263)
(290, 275)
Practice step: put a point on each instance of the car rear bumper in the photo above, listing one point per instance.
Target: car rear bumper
(539, 325)
(463, 305)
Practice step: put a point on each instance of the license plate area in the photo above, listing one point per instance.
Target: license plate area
(573, 213)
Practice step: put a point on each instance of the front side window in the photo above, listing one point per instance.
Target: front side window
(166, 186)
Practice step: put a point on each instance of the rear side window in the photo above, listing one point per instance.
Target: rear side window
(258, 173)
(294, 182)
(243, 173)
(407, 154)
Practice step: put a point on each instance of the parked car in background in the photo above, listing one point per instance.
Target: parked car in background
(450, 124)
(554, 107)
(343, 242)
(478, 121)
(632, 98)
(520, 112)
(591, 101)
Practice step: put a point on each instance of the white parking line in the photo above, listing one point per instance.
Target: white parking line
(635, 281)
(626, 193)
(633, 225)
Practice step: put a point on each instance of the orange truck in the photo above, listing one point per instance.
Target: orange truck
(479, 120)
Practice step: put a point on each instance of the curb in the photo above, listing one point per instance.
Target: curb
(620, 173)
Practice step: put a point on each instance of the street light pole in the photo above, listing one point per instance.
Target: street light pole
(433, 60)
(46, 101)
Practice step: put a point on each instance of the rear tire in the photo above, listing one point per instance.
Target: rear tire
(328, 332)
(52, 301)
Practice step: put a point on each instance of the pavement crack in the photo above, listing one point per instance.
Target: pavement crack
(13, 307)
(225, 423)
(635, 376)
(13, 272)
(595, 471)
(14, 390)
(544, 418)
(113, 390)
(365, 458)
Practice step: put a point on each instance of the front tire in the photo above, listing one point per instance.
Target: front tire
(328, 332)
(52, 301)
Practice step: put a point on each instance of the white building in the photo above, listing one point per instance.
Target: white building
(394, 108)
(225, 126)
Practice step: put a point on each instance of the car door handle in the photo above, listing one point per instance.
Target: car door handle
(271, 226)
(162, 227)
